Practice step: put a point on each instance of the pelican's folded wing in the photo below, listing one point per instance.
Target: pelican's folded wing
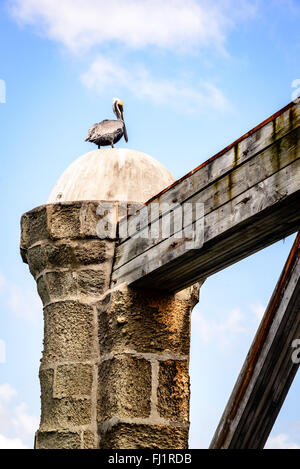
(91, 132)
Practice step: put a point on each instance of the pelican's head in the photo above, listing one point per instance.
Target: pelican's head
(118, 108)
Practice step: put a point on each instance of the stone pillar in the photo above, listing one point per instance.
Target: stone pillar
(114, 371)
(143, 398)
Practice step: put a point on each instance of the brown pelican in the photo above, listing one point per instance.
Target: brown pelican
(109, 132)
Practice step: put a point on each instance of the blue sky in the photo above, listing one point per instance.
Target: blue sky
(194, 76)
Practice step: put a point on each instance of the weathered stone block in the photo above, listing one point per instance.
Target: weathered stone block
(57, 440)
(89, 218)
(64, 220)
(73, 380)
(107, 216)
(151, 322)
(68, 332)
(69, 254)
(124, 387)
(90, 440)
(61, 412)
(61, 284)
(173, 390)
(60, 254)
(43, 290)
(37, 259)
(66, 412)
(34, 227)
(134, 436)
(92, 282)
(46, 380)
(93, 251)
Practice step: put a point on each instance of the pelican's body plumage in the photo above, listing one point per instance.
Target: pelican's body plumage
(109, 132)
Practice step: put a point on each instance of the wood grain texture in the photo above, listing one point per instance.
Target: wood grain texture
(251, 197)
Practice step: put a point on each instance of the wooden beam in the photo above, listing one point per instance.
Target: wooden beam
(251, 196)
(268, 371)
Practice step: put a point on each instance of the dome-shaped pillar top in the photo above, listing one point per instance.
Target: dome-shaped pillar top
(112, 174)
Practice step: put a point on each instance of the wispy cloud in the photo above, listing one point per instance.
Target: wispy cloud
(170, 24)
(110, 29)
(104, 75)
(11, 443)
(7, 392)
(17, 425)
(222, 332)
(23, 422)
(281, 441)
(22, 302)
(258, 311)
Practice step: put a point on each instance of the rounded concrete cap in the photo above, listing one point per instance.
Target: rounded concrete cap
(112, 174)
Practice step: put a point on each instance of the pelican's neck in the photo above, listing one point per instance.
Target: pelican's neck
(117, 113)
(119, 116)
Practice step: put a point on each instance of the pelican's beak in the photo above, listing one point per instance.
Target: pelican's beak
(125, 132)
(119, 114)
(122, 117)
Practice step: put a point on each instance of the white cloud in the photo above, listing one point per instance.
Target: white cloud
(281, 441)
(24, 423)
(17, 425)
(24, 303)
(11, 443)
(81, 24)
(259, 311)
(7, 392)
(218, 332)
(190, 26)
(104, 74)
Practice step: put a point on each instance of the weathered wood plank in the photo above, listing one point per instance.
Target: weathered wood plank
(244, 149)
(237, 231)
(269, 370)
(246, 208)
(246, 176)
